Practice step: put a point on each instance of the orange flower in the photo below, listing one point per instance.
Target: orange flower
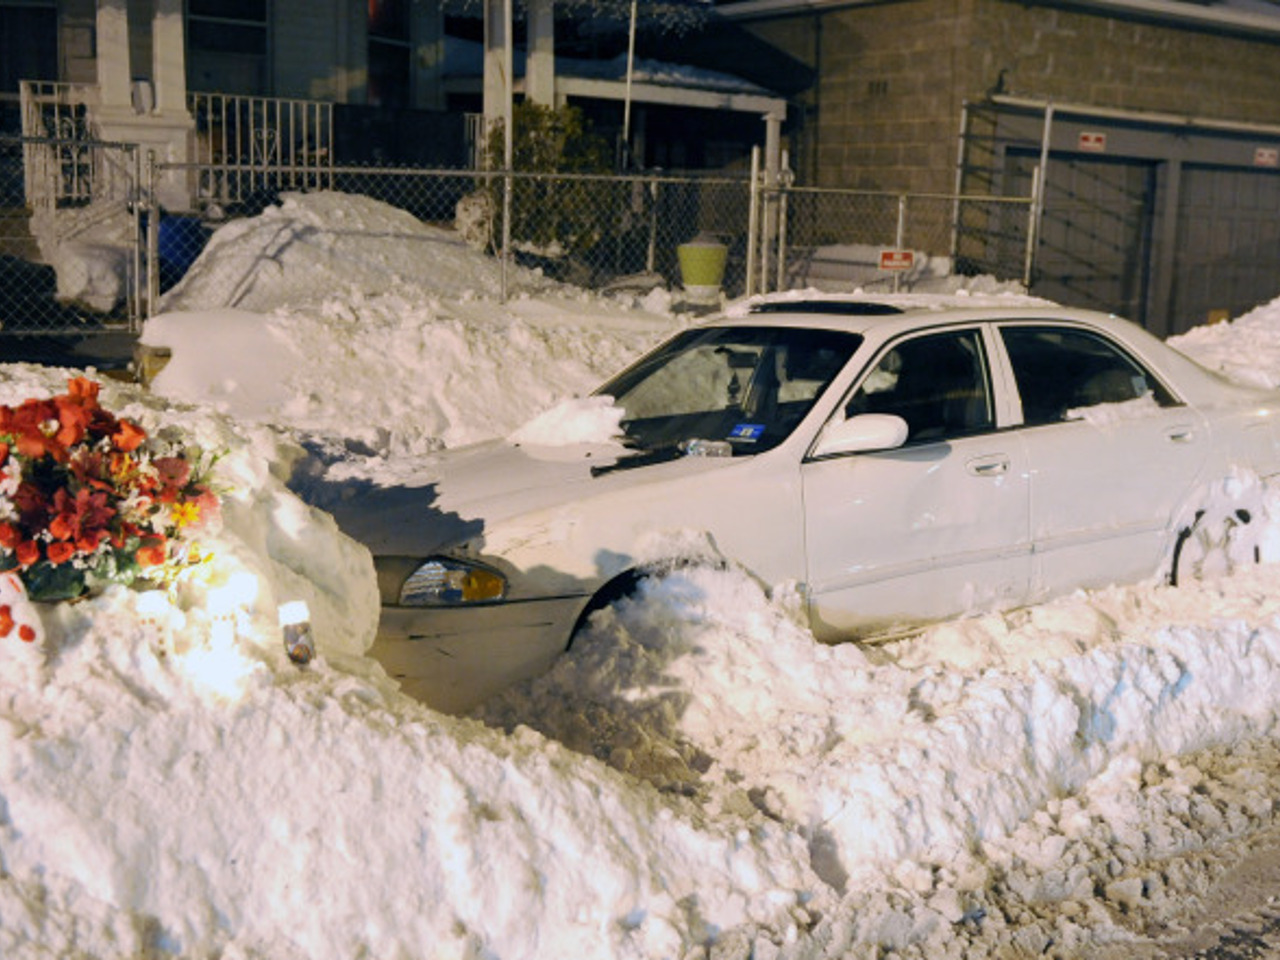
(27, 553)
(60, 552)
(83, 390)
(128, 436)
(9, 536)
(153, 553)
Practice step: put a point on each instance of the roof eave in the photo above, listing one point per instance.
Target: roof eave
(1207, 17)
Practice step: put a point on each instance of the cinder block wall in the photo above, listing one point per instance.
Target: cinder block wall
(885, 112)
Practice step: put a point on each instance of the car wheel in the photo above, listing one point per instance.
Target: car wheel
(619, 588)
(625, 585)
(1204, 546)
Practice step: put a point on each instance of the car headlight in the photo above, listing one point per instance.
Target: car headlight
(438, 582)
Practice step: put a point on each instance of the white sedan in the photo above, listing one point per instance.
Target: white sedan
(900, 464)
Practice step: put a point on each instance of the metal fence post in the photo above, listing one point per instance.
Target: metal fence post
(506, 229)
(900, 238)
(153, 237)
(753, 221)
(1033, 227)
(135, 256)
(784, 181)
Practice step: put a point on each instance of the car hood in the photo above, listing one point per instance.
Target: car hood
(460, 493)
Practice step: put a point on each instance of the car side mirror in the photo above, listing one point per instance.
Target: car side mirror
(862, 434)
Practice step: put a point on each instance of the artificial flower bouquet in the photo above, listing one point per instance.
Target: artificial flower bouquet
(89, 499)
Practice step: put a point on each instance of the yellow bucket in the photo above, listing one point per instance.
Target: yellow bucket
(702, 267)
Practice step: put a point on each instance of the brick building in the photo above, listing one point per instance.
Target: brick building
(1155, 125)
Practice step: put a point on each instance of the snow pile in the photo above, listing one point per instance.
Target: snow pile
(173, 785)
(697, 777)
(325, 244)
(941, 783)
(362, 326)
(1246, 349)
(89, 250)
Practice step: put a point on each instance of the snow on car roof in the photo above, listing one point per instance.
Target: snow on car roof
(877, 304)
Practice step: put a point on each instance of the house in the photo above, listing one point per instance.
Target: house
(1152, 125)
(139, 68)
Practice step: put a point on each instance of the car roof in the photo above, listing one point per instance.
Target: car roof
(890, 314)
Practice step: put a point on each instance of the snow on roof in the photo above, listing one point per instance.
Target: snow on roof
(465, 59)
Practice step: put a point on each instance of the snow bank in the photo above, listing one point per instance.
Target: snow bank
(361, 326)
(697, 777)
(1246, 349)
(325, 244)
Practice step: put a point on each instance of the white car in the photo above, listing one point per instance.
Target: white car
(900, 464)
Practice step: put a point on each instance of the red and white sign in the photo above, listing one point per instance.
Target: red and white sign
(1092, 141)
(897, 259)
(1266, 157)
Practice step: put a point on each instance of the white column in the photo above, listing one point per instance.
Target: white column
(168, 56)
(540, 61)
(496, 29)
(114, 74)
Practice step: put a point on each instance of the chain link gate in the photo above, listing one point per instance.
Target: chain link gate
(70, 238)
(837, 239)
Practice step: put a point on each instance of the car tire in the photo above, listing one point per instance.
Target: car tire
(1199, 539)
(619, 588)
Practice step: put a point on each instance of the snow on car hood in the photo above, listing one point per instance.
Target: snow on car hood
(457, 494)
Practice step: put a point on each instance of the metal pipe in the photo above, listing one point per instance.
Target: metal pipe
(753, 221)
(1137, 116)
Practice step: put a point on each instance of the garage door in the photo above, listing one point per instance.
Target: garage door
(1095, 233)
(1228, 251)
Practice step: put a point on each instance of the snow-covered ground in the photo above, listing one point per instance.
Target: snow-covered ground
(698, 778)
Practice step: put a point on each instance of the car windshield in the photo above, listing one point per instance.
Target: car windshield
(727, 391)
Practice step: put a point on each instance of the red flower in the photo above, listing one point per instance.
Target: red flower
(27, 553)
(32, 427)
(85, 515)
(32, 506)
(9, 536)
(6, 620)
(153, 553)
(174, 471)
(60, 552)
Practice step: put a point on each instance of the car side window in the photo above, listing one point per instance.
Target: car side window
(938, 383)
(1060, 370)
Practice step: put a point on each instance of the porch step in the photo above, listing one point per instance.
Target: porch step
(15, 235)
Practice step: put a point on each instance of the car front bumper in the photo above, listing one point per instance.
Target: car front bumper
(452, 658)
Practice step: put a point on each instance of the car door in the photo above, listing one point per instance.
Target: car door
(1113, 456)
(935, 527)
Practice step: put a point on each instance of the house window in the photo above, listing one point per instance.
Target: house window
(389, 50)
(28, 44)
(227, 45)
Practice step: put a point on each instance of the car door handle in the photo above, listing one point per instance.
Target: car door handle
(992, 466)
(1181, 434)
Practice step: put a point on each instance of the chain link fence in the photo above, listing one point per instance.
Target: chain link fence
(597, 232)
(844, 239)
(83, 249)
(70, 239)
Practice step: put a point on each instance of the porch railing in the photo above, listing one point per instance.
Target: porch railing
(58, 167)
(243, 145)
